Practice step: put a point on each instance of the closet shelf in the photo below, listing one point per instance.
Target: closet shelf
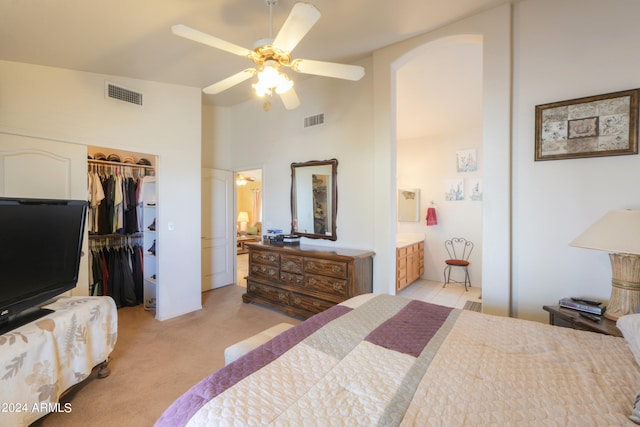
(107, 162)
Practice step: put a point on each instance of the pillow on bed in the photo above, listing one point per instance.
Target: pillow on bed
(635, 413)
(629, 325)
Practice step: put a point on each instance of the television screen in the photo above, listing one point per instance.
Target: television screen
(40, 250)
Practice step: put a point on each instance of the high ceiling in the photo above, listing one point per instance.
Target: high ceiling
(132, 38)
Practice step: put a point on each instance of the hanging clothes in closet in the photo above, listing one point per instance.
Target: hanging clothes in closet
(116, 270)
(113, 198)
(114, 226)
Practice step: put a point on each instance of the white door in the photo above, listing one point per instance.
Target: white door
(218, 239)
(46, 169)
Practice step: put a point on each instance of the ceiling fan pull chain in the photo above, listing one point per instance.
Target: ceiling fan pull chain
(271, 3)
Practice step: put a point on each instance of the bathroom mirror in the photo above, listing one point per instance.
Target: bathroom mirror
(408, 205)
(314, 199)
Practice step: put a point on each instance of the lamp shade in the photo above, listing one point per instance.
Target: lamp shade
(243, 217)
(617, 231)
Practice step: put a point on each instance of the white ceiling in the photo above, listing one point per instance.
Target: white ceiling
(132, 38)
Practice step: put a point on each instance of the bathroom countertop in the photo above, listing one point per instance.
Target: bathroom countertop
(406, 240)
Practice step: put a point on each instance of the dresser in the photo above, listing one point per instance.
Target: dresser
(303, 280)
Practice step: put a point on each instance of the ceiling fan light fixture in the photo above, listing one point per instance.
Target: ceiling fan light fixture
(284, 84)
(270, 55)
(270, 79)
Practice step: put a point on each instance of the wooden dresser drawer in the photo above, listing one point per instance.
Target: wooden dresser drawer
(308, 303)
(263, 257)
(291, 279)
(326, 284)
(325, 267)
(292, 264)
(302, 280)
(266, 271)
(269, 292)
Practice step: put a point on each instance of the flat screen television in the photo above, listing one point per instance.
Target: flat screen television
(40, 250)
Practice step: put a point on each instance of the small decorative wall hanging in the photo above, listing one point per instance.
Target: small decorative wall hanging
(475, 189)
(455, 190)
(595, 126)
(466, 160)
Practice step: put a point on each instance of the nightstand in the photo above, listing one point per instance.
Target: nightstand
(567, 318)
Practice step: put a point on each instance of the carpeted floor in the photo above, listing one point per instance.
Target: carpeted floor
(155, 362)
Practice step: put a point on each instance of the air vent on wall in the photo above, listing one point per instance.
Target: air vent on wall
(316, 120)
(122, 94)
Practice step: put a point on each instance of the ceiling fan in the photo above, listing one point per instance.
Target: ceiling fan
(273, 54)
(242, 180)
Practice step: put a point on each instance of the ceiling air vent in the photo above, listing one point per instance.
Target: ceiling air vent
(316, 120)
(122, 94)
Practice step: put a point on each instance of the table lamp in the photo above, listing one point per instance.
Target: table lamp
(243, 218)
(618, 232)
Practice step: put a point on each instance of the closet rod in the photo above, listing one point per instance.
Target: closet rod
(131, 165)
(115, 235)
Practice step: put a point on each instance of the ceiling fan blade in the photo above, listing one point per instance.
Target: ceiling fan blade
(209, 40)
(328, 69)
(229, 81)
(290, 99)
(303, 16)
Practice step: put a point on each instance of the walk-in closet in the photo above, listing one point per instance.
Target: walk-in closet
(121, 226)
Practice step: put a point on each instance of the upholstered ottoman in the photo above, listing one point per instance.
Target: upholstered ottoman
(241, 348)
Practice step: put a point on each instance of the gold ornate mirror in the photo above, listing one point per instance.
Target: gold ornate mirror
(314, 199)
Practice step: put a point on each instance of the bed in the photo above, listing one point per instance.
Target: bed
(385, 360)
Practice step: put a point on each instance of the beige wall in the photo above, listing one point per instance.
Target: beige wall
(244, 194)
(531, 210)
(53, 104)
(554, 201)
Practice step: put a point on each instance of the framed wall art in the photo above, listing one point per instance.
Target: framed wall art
(595, 126)
(466, 160)
(454, 190)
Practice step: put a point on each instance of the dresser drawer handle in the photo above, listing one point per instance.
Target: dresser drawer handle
(311, 264)
(335, 269)
(252, 287)
(337, 287)
(297, 300)
(313, 281)
(282, 296)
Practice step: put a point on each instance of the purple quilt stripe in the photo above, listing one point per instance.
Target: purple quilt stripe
(181, 411)
(419, 321)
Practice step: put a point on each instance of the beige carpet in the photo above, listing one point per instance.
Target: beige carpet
(155, 362)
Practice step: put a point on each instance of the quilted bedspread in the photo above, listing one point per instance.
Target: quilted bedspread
(386, 360)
